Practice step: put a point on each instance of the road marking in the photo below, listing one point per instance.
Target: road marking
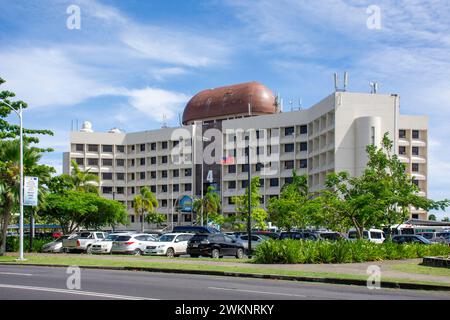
(260, 292)
(16, 274)
(76, 292)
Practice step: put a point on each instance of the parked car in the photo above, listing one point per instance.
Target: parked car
(256, 240)
(105, 245)
(169, 244)
(132, 244)
(194, 229)
(330, 235)
(214, 245)
(434, 237)
(373, 235)
(54, 246)
(444, 235)
(269, 234)
(83, 241)
(410, 238)
(298, 235)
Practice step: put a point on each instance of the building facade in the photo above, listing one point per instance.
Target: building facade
(211, 147)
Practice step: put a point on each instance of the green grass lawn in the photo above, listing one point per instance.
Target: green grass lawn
(420, 269)
(160, 263)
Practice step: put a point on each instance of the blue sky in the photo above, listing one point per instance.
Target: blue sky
(134, 61)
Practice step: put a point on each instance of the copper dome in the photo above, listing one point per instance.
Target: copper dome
(230, 101)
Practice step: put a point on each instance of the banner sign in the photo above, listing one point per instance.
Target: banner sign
(30, 192)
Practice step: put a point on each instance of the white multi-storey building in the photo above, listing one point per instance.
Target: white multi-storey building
(330, 136)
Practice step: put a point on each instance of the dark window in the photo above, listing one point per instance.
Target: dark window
(79, 147)
(92, 147)
(175, 143)
(142, 161)
(176, 187)
(289, 147)
(153, 146)
(107, 148)
(188, 172)
(415, 134)
(93, 162)
(79, 161)
(107, 190)
(415, 167)
(415, 151)
(153, 189)
(142, 175)
(402, 133)
(120, 149)
(415, 216)
(164, 203)
(164, 159)
(244, 168)
(120, 190)
(107, 176)
(142, 147)
(402, 150)
(288, 180)
(289, 164)
(176, 173)
(303, 146)
(187, 187)
(259, 166)
(289, 131)
(120, 162)
(261, 182)
(303, 163)
(120, 176)
(164, 174)
(231, 184)
(232, 169)
(107, 162)
(132, 176)
(244, 183)
(153, 160)
(416, 182)
(303, 129)
(230, 200)
(132, 219)
(164, 188)
(153, 174)
(132, 147)
(274, 182)
(132, 162)
(164, 145)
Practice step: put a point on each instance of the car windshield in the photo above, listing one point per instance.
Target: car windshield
(123, 238)
(84, 235)
(166, 238)
(111, 237)
(424, 240)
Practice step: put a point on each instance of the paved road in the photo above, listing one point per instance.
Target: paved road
(29, 282)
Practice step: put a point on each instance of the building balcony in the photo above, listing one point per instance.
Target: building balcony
(418, 159)
(418, 143)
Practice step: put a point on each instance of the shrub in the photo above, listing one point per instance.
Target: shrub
(290, 251)
(12, 244)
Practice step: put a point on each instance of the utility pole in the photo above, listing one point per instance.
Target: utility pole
(249, 218)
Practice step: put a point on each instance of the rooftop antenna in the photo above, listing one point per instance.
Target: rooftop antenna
(345, 80)
(300, 104)
(291, 103)
(336, 81)
(373, 87)
(164, 124)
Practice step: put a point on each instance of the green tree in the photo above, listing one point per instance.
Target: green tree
(239, 221)
(432, 217)
(211, 205)
(292, 208)
(445, 219)
(83, 181)
(10, 179)
(156, 218)
(144, 202)
(77, 209)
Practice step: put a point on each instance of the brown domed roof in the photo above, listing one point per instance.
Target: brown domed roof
(230, 100)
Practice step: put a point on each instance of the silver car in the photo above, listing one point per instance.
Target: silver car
(132, 244)
(54, 246)
(256, 240)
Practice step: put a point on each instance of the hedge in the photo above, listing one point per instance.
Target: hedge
(290, 251)
(12, 244)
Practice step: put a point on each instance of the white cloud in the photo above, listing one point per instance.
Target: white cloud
(163, 73)
(158, 103)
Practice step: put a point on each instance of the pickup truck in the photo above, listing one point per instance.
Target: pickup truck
(83, 241)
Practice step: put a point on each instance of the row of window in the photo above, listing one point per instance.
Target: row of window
(414, 150)
(289, 164)
(121, 162)
(415, 134)
(142, 175)
(132, 190)
(121, 149)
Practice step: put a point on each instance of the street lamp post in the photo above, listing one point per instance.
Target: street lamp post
(20, 115)
(249, 218)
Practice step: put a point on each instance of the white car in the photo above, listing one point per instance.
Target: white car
(169, 244)
(54, 246)
(132, 244)
(105, 246)
(373, 235)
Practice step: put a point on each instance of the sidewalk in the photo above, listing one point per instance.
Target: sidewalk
(386, 267)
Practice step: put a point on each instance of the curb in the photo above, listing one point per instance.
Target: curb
(355, 282)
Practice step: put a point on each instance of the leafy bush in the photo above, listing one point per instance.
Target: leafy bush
(12, 244)
(290, 251)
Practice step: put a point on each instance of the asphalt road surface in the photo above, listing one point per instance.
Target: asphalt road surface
(30, 282)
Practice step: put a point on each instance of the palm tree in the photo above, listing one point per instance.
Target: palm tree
(84, 181)
(10, 179)
(210, 204)
(144, 202)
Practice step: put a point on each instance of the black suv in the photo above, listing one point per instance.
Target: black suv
(298, 235)
(214, 245)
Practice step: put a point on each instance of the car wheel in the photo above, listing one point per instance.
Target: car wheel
(89, 250)
(240, 254)
(137, 252)
(170, 253)
(215, 254)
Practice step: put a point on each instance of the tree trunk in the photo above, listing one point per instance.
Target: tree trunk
(6, 220)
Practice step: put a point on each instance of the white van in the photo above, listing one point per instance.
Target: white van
(373, 235)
